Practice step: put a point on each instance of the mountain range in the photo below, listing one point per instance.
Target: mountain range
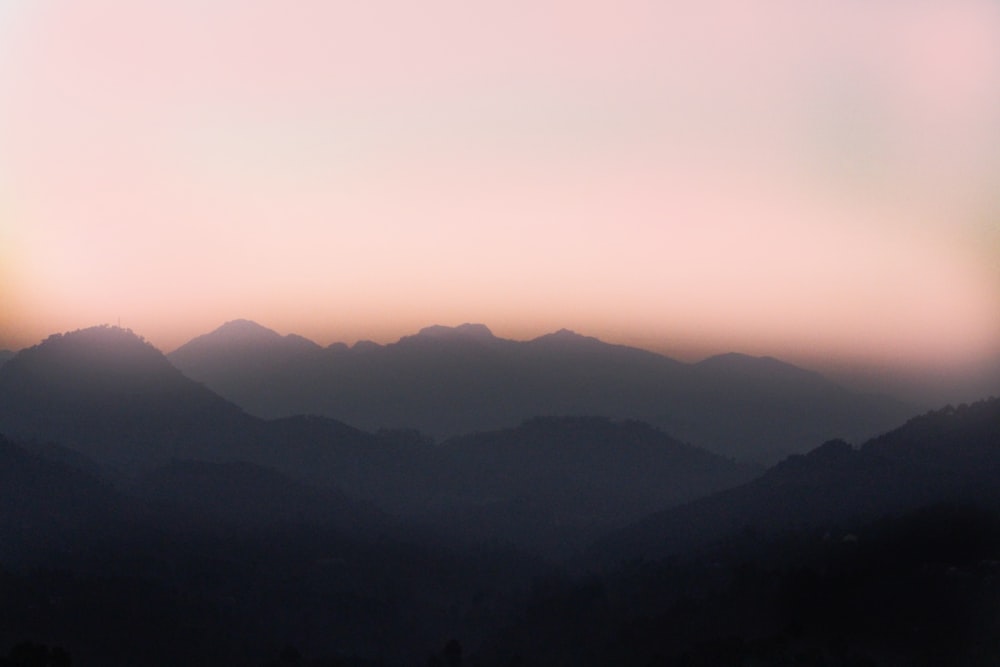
(145, 519)
(447, 381)
(885, 554)
(113, 400)
(217, 564)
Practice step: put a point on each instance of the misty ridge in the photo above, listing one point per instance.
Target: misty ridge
(460, 499)
(448, 381)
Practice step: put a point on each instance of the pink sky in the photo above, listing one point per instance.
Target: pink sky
(817, 181)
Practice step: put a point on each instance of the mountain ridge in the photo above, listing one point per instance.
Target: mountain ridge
(115, 400)
(447, 381)
(110, 395)
(836, 483)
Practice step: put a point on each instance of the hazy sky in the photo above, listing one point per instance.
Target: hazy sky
(814, 180)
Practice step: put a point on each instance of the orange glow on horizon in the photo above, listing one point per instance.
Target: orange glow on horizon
(804, 182)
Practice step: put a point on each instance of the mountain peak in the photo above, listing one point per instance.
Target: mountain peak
(104, 344)
(240, 337)
(246, 329)
(738, 359)
(736, 362)
(467, 331)
(566, 336)
(98, 357)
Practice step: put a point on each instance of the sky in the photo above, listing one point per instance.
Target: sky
(815, 181)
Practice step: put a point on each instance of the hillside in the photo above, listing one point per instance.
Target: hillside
(951, 455)
(554, 483)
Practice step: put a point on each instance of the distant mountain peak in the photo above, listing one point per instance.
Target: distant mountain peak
(92, 359)
(103, 344)
(739, 358)
(110, 395)
(239, 336)
(464, 331)
(246, 329)
(566, 336)
(745, 363)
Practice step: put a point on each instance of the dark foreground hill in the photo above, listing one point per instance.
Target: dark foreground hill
(225, 564)
(884, 555)
(920, 588)
(448, 381)
(952, 455)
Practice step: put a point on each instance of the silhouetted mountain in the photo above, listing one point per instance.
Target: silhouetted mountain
(767, 371)
(952, 455)
(107, 393)
(232, 536)
(5, 356)
(453, 380)
(917, 589)
(252, 353)
(963, 439)
(114, 399)
(553, 483)
(463, 332)
(213, 564)
(549, 485)
(884, 554)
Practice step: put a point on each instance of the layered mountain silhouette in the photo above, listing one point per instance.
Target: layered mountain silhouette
(554, 483)
(448, 381)
(52, 506)
(113, 398)
(213, 564)
(145, 519)
(117, 402)
(110, 395)
(948, 456)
